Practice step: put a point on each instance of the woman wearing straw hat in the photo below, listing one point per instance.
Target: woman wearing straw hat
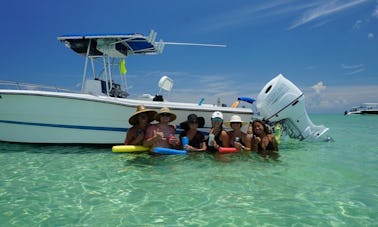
(162, 134)
(238, 138)
(140, 120)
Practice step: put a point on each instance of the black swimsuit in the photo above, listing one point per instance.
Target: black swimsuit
(197, 139)
(269, 150)
(269, 147)
(217, 140)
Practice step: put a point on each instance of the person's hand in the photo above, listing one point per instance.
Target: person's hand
(238, 145)
(188, 147)
(159, 135)
(256, 139)
(214, 144)
(172, 140)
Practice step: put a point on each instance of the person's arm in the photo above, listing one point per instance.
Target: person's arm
(129, 136)
(254, 143)
(225, 139)
(134, 136)
(151, 136)
(247, 142)
(172, 140)
(202, 147)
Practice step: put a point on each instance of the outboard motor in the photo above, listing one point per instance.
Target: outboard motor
(281, 101)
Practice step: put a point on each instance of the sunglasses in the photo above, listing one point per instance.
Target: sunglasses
(216, 119)
(165, 114)
(143, 116)
(193, 122)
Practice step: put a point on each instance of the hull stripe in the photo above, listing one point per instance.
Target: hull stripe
(115, 129)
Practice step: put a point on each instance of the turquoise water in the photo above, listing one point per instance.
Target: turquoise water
(321, 184)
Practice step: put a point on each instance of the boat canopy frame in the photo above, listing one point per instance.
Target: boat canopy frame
(109, 48)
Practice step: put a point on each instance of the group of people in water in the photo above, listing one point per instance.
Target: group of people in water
(258, 137)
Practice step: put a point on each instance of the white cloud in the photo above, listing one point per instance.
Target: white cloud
(319, 87)
(352, 69)
(375, 12)
(371, 36)
(324, 9)
(340, 98)
(357, 25)
(355, 71)
(246, 14)
(277, 10)
(344, 66)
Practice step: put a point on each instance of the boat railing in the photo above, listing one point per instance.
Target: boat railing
(32, 87)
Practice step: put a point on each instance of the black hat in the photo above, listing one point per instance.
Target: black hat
(193, 118)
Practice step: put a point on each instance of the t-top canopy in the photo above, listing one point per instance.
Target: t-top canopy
(118, 46)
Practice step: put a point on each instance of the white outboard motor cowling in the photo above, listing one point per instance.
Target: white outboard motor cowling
(281, 101)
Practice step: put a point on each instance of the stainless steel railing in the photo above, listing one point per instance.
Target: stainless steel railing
(26, 86)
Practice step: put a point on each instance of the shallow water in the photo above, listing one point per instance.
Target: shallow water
(318, 183)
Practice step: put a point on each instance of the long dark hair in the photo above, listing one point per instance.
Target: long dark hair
(266, 129)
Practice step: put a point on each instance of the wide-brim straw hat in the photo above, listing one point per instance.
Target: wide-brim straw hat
(133, 120)
(235, 119)
(165, 110)
(193, 118)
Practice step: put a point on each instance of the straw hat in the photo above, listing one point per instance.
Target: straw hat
(235, 119)
(133, 120)
(163, 111)
(193, 118)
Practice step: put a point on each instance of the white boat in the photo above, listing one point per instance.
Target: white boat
(99, 113)
(364, 108)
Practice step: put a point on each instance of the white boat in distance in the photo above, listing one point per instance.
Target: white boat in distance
(364, 108)
(99, 113)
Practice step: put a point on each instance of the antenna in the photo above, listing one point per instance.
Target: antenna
(195, 44)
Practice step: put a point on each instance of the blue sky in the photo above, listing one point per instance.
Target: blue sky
(328, 48)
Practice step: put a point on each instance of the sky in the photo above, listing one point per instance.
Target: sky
(327, 48)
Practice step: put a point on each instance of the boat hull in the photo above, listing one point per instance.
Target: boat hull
(68, 118)
(368, 112)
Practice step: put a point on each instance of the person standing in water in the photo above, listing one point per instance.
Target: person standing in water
(263, 142)
(238, 138)
(218, 137)
(162, 134)
(140, 120)
(196, 139)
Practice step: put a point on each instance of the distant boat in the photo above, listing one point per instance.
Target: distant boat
(364, 108)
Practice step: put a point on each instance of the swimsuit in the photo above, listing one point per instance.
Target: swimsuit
(269, 147)
(217, 140)
(197, 139)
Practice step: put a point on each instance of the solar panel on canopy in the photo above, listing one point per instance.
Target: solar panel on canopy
(111, 45)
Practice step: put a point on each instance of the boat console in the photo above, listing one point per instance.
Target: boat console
(99, 87)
